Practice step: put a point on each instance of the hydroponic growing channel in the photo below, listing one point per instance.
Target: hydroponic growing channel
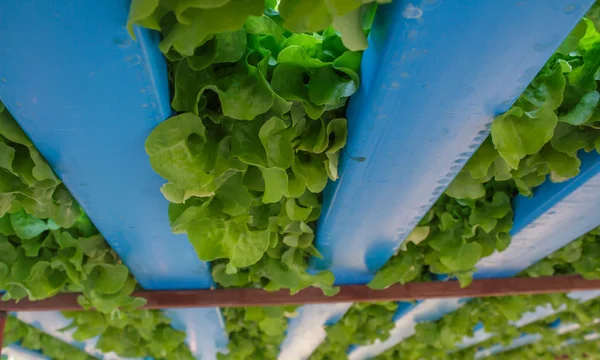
(299, 179)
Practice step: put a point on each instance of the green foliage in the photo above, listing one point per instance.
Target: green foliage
(255, 332)
(552, 347)
(435, 340)
(47, 243)
(581, 256)
(131, 334)
(452, 237)
(361, 325)
(555, 118)
(31, 338)
(261, 88)
(186, 25)
(259, 135)
(552, 344)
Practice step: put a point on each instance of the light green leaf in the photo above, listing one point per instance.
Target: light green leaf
(225, 47)
(487, 214)
(276, 182)
(27, 226)
(464, 186)
(296, 212)
(479, 164)
(7, 154)
(312, 170)
(583, 111)
(12, 131)
(180, 151)
(569, 139)
(259, 25)
(144, 13)
(276, 138)
(243, 92)
(517, 134)
(200, 25)
(463, 258)
(350, 27)
(107, 278)
(217, 239)
(305, 15)
(234, 195)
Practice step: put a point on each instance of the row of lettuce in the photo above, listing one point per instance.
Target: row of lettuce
(261, 88)
(259, 331)
(261, 102)
(262, 128)
(538, 139)
(48, 245)
(364, 324)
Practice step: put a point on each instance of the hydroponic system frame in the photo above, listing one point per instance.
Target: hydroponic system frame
(434, 76)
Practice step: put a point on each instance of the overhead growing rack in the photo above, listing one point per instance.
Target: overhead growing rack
(435, 75)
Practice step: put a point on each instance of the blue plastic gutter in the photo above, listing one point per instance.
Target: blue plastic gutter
(15, 352)
(435, 75)
(528, 339)
(523, 340)
(558, 214)
(51, 322)
(88, 96)
(539, 313)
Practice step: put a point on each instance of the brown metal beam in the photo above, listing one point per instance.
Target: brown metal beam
(2, 327)
(168, 299)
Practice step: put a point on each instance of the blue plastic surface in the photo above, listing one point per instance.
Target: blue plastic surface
(539, 313)
(16, 352)
(88, 96)
(434, 76)
(498, 348)
(555, 210)
(51, 322)
(305, 331)
(555, 218)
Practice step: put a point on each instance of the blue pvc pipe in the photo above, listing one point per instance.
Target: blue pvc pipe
(88, 95)
(435, 75)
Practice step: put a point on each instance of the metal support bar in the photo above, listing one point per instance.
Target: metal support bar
(3, 316)
(169, 299)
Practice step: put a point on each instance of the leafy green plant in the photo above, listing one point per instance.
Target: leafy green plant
(131, 334)
(435, 340)
(553, 346)
(362, 324)
(581, 256)
(540, 137)
(255, 332)
(187, 25)
(258, 136)
(47, 243)
(452, 237)
(552, 343)
(260, 88)
(31, 338)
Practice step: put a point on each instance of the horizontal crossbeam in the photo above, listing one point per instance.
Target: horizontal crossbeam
(171, 299)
